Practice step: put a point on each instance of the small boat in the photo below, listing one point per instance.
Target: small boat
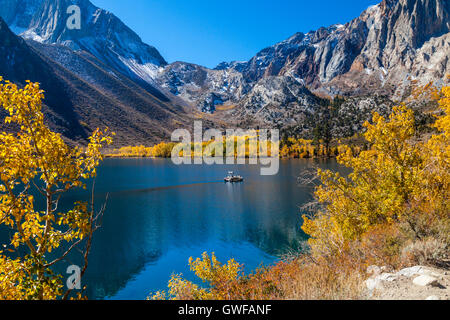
(233, 178)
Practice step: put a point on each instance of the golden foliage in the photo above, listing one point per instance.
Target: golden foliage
(303, 149)
(37, 158)
(295, 148)
(300, 278)
(394, 203)
(161, 150)
(220, 279)
(396, 178)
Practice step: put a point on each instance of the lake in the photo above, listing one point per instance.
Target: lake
(159, 214)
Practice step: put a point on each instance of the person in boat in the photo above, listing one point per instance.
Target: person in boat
(233, 178)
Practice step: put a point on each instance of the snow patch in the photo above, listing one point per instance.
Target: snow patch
(147, 72)
(30, 34)
(372, 8)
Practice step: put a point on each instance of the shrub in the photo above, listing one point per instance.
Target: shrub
(430, 251)
(300, 278)
(394, 180)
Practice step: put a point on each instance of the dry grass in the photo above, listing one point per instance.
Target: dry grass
(298, 279)
(341, 276)
(303, 279)
(431, 252)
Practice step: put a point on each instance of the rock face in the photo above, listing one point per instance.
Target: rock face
(82, 93)
(371, 59)
(403, 40)
(386, 43)
(203, 87)
(278, 100)
(18, 14)
(379, 53)
(101, 34)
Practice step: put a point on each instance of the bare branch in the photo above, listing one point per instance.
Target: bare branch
(75, 244)
(309, 177)
(94, 227)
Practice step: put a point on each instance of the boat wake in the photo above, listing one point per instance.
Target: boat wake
(162, 188)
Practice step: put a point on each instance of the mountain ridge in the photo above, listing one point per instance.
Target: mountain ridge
(102, 34)
(76, 103)
(382, 52)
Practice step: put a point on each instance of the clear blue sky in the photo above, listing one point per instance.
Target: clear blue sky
(208, 32)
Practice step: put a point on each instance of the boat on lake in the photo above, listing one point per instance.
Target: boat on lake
(233, 177)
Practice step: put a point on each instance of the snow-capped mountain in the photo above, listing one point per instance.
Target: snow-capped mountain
(389, 43)
(82, 93)
(380, 53)
(102, 34)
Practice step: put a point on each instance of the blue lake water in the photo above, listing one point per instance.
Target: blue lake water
(159, 214)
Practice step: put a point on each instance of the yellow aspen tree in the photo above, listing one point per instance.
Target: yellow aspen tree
(396, 173)
(36, 162)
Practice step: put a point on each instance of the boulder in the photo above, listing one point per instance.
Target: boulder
(426, 280)
(409, 272)
(387, 277)
(376, 281)
(373, 284)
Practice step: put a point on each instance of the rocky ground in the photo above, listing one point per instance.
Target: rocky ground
(414, 283)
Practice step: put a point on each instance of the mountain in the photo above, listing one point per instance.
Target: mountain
(18, 14)
(281, 101)
(82, 93)
(203, 87)
(19, 63)
(381, 52)
(374, 58)
(102, 34)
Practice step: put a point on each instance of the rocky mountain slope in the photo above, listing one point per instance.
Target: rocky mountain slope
(101, 34)
(203, 87)
(388, 43)
(82, 93)
(379, 53)
(374, 57)
(18, 14)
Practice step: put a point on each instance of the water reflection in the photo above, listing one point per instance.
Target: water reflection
(159, 215)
